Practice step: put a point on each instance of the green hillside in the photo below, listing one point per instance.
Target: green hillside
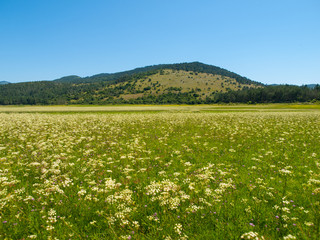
(167, 83)
(184, 83)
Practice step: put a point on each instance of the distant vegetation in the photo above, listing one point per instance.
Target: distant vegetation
(186, 83)
(271, 94)
(3, 82)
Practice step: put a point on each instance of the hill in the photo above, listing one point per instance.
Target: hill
(166, 83)
(184, 83)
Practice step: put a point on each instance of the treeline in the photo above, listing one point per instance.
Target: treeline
(38, 93)
(270, 94)
(43, 93)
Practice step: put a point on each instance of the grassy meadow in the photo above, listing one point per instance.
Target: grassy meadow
(160, 172)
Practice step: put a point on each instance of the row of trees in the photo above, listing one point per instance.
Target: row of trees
(270, 94)
(36, 93)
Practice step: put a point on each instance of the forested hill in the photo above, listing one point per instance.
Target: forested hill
(165, 83)
(185, 83)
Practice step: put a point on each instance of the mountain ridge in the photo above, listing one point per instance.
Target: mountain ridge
(192, 66)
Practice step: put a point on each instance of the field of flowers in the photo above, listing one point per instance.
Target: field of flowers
(160, 175)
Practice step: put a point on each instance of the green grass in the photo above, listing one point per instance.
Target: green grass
(156, 108)
(161, 175)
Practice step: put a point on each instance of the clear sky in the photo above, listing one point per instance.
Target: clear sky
(270, 41)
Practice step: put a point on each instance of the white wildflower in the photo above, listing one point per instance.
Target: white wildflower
(252, 235)
(178, 228)
(289, 237)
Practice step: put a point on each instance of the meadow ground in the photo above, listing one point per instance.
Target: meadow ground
(160, 172)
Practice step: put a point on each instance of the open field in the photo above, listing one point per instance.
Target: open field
(160, 172)
(157, 108)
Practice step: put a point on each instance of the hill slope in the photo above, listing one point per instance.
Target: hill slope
(165, 83)
(168, 81)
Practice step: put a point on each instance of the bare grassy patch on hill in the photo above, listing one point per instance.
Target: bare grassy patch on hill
(179, 81)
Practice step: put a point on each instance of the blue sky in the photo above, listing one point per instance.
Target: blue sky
(265, 40)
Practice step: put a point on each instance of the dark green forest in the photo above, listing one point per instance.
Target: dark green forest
(270, 94)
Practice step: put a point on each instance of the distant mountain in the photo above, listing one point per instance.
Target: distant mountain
(311, 85)
(3, 82)
(306, 85)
